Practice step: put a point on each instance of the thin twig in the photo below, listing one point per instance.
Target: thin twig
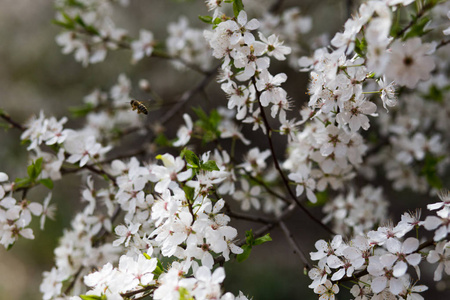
(142, 290)
(294, 245)
(443, 43)
(102, 172)
(424, 9)
(13, 123)
(277, 165)
(188, 95)
(266, 187)
(251, 218)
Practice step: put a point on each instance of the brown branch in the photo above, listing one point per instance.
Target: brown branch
(420, 13)
(13, 123)
(294, 245)
(188, 95)
(251, 218)
(278, 167)
(102, 172)
(443, 43)
(155, 53)
(142, 290)
(265, 229)
(266, 187)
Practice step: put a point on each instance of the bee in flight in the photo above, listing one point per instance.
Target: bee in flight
(137, 105)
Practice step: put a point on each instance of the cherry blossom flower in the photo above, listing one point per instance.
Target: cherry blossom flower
(275, 48)
(440, 254)
(143, 46)
(409, 62)
(242, 29)
(247, 196)
(327, 291)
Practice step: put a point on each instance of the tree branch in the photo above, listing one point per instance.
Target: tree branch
(277, 165)
(13, 123)
(294, 245)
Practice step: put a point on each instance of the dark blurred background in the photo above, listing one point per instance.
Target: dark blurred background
(36, 76)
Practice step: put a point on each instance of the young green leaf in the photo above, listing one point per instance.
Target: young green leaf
(190, 193)
(22, 182)
(210, 165)
(47, 182)
(263, 239)
(237, 7)
(191, 158)
(244, 255)
(206, 19)
(93, 297)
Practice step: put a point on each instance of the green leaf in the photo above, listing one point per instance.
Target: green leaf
(190, 193)
(68, 19)
(206, 19)
(92, 30)
(80, 21)
(429, 170)
(47, 182)
(161, 140)
(217, 21)
(159, 268)
(75, 3)
(244, 255)
(237, 7)
(31, 171)
(184, 294)
(21, 182)
(361, 47)
(38, 165)
(81, 111)
(418, 29)
(35, 169)
(249, 238)
(208, 124)
(436, 94)
(210, 165)
(93, 297)
(263, 239)
(9, 246)
(64, 25)
(191, 158)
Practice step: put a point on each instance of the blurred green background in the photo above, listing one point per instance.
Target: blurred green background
(35, 75)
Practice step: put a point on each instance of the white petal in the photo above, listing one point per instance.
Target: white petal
(252, 24)
(379, 284)
(410, 244)
(242, 18)
(414, 259)
(400, 268)
(3, 177)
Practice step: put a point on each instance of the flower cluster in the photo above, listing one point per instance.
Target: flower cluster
(156, 221)
(163, 222)
(16, 216)
(386, 255)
